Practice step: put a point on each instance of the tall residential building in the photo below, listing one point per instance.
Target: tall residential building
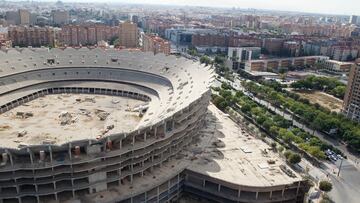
(129, 35)
(155, 44)
(88, 34)
(12, 17)
(353, 19)
(31, 36)
(24, 17)
(351, 105)
(60, 17)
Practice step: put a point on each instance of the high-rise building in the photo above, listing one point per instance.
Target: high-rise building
(353, 19)
(155, 44)
(24, 17)
(351, 105)
(12, 17)
(129, 35)
(60, 17)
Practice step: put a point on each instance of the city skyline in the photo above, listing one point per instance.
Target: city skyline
(320, 6)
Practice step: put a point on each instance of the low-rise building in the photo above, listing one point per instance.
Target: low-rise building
(285, 63)
(335, 66)
(237, 56)
(155, 44)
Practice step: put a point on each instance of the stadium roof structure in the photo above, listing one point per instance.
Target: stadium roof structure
(168, 83)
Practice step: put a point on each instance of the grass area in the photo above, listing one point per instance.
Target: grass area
(325, 100)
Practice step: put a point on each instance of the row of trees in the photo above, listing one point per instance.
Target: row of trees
(329, 85)
(276, 125)
(315, 116)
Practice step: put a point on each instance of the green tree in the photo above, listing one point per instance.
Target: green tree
(294, 158)
(325, 186)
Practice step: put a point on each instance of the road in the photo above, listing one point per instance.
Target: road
(346, 187)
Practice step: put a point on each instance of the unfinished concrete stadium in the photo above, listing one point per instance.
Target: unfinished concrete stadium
(103, 125)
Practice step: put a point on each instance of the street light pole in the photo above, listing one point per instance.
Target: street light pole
(340, 167)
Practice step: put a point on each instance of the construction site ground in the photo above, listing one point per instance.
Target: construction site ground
(61, 118)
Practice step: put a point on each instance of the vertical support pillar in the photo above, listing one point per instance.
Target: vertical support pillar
(31, 156)
(270, 194)
(70, 155)
(203, 185)
(51, 155)
(144, 136)
(257, 195)
(120, 143)
(219, 188)
(282, 192)
(239, 193)
(157, 193)
(133, 140)
(10, 156)
(298, 188)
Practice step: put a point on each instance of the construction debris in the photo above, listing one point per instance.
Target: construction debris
(65, 118)
(101, 114)
(4, 127)
(85, 112)
(24, 115)
(287, 171)
(22, 133)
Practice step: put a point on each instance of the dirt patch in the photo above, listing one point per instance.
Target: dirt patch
(325, 100)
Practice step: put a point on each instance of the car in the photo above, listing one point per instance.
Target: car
(328, 152)
(333, 158)
(339, 156)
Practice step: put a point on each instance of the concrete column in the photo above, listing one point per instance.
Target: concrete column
(144, 136)
(120, 145)
(282, 192)
(133, 141)
(219, 188)
(203, 183)
(298, 188)
(70, 155)
(239, 193)
(270, 195)
(145, 194)
(155, 131)
(51, 157)
(31, 156)
(157, 193)
(257, 195)
(10, 156)
(168, 190)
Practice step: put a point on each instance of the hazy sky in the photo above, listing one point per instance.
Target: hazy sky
(347, 7)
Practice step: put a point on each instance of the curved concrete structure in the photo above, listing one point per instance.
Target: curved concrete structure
(177, 92)
(168, 151)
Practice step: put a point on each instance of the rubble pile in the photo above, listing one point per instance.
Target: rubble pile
(101, 114)
(66, 118)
